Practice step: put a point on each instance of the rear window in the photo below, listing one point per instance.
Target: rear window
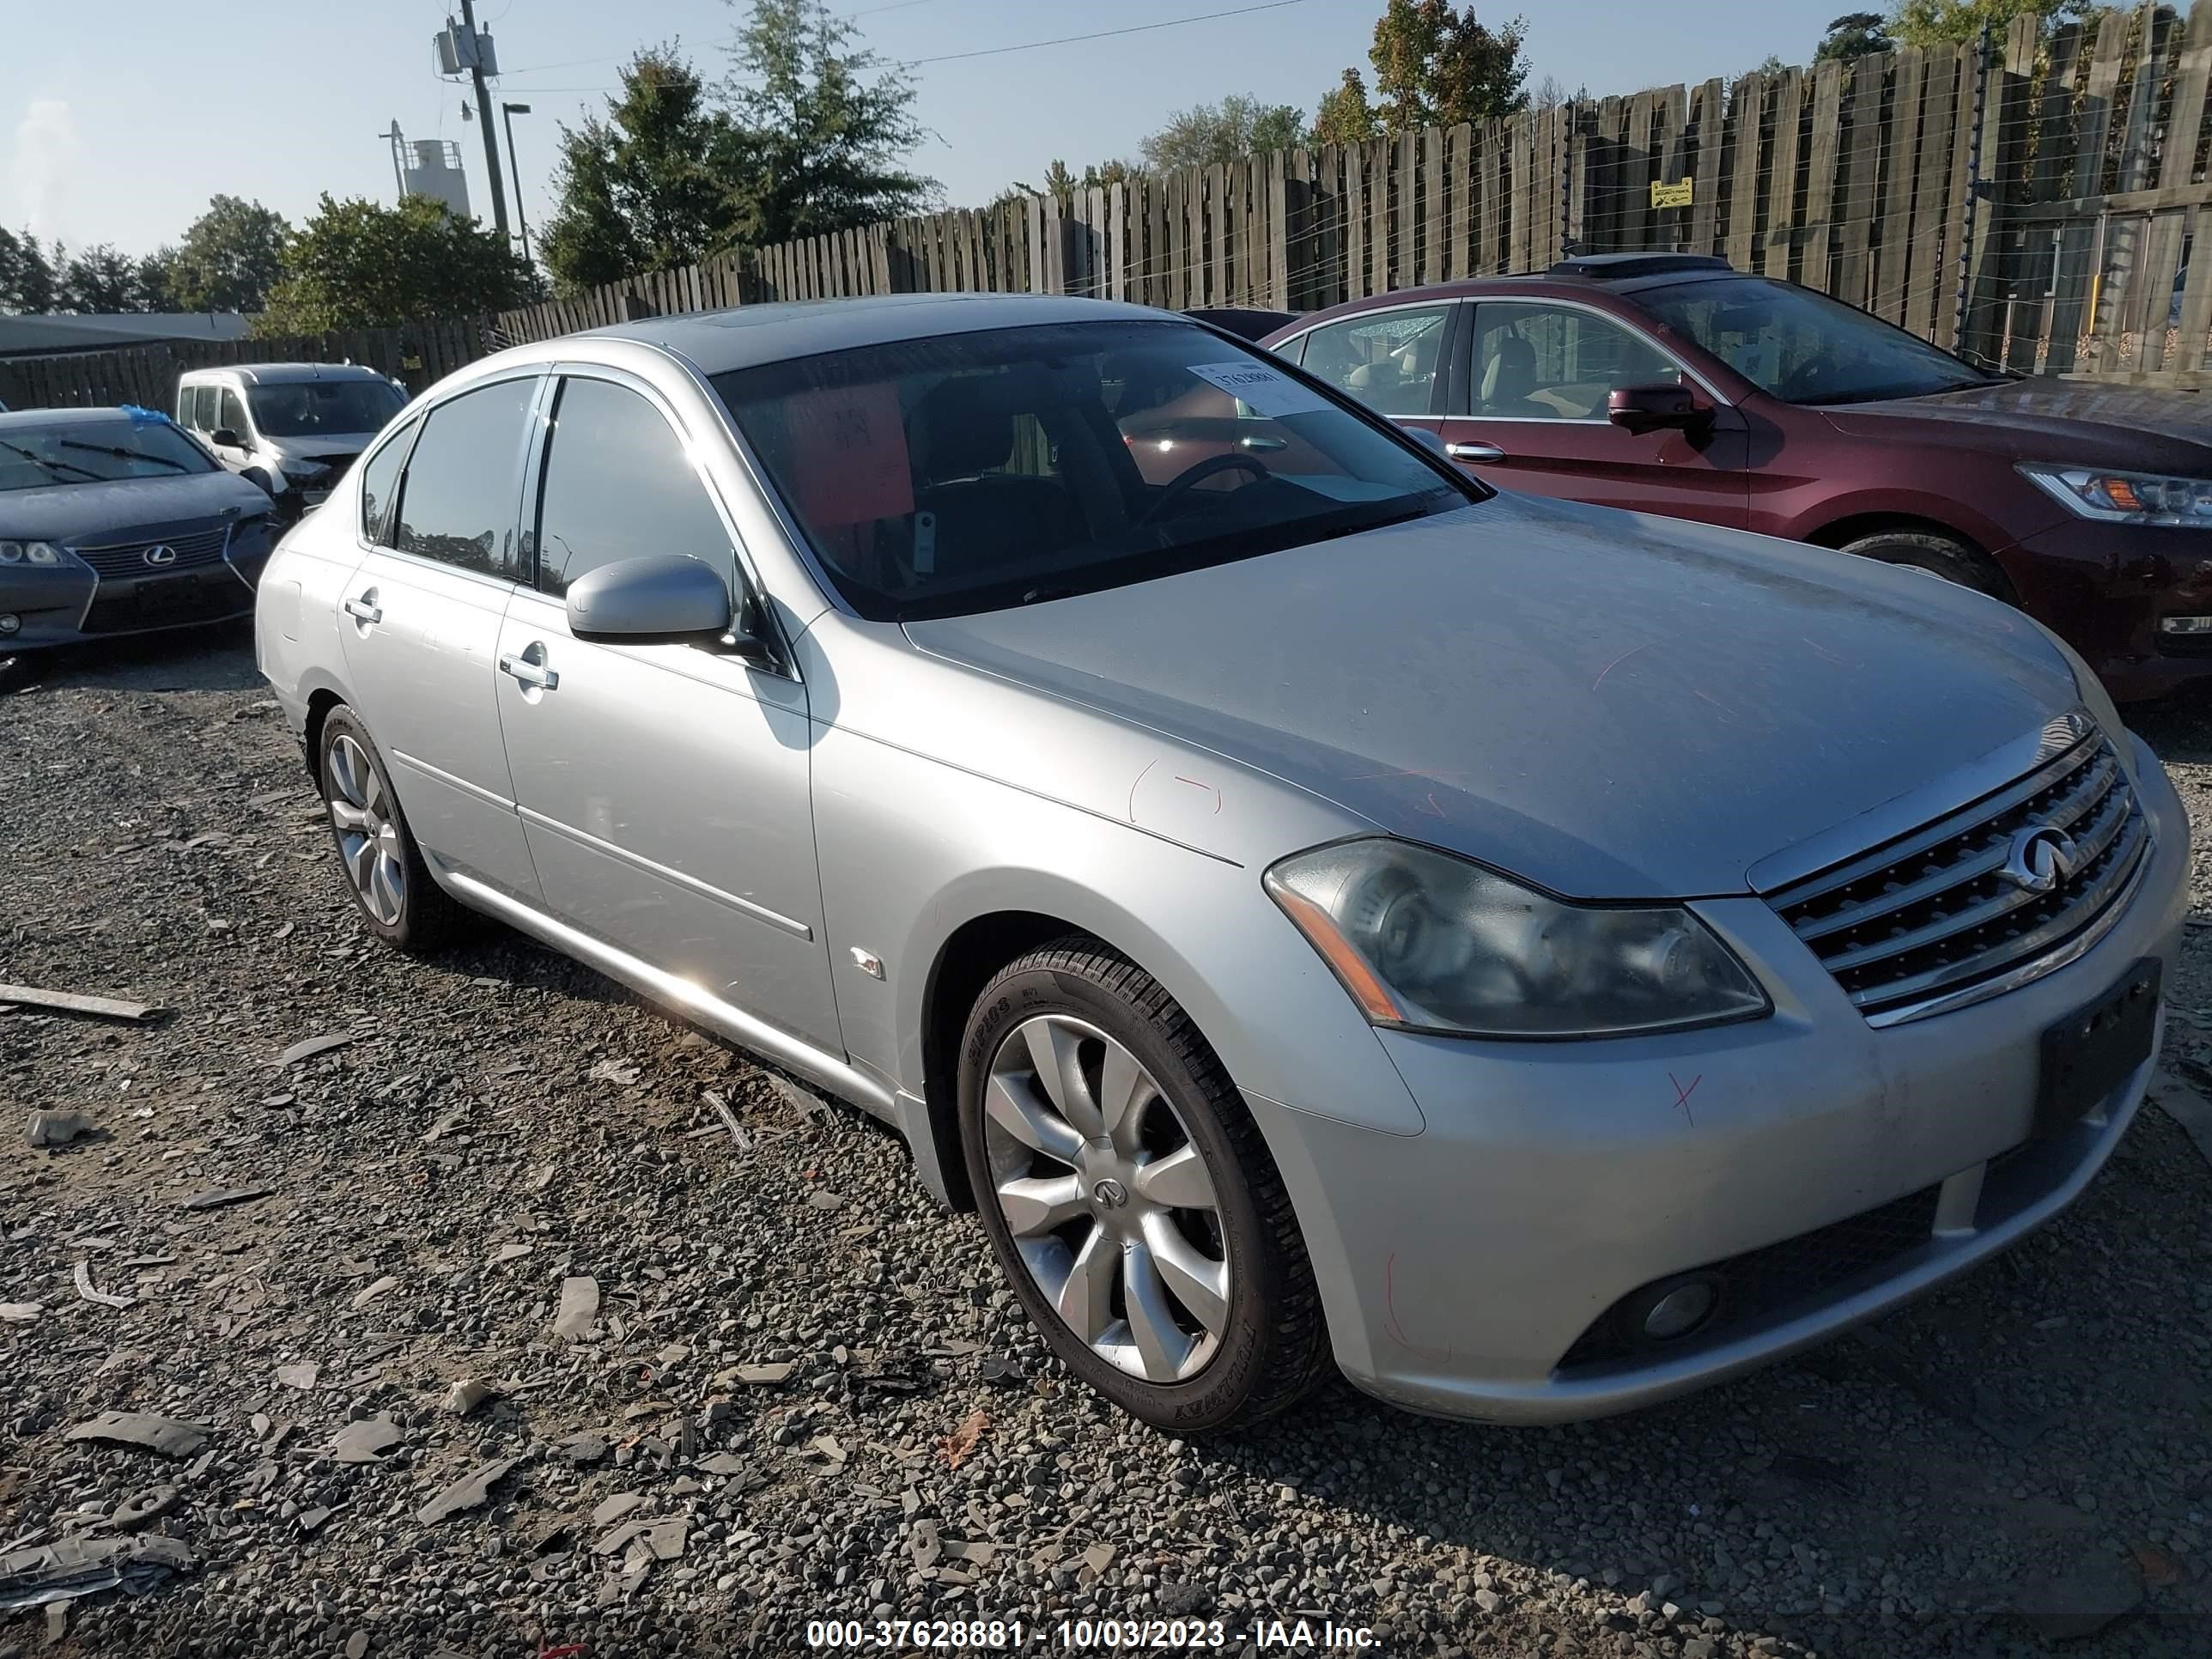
(967, 472)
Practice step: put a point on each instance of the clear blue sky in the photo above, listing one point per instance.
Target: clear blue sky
(118, 119)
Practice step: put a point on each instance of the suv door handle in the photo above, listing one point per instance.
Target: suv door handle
(1464, 451)
(361, 610)
(528, 673)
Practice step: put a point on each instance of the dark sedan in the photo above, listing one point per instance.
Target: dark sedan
(113, 522)
(1670, 383)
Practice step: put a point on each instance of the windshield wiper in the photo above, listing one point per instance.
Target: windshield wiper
(54, 467)
(122, 454)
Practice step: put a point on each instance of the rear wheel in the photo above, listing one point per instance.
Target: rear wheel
(1934, 554)
(394, 889)
(1129, 1197)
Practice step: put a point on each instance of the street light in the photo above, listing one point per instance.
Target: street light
(508, 112)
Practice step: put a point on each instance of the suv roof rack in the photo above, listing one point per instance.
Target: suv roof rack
(1601, 265)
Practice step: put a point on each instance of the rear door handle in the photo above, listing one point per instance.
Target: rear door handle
(1474, 452)
(361, 610)
(528, 673)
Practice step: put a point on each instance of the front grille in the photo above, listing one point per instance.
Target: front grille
(1933, 913)
(1779, 1279)
(167, 604)
(128, 558)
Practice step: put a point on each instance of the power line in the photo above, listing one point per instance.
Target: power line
(1103, 34)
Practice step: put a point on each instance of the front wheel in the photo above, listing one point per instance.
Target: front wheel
(1129, 1197)
(1933, 555)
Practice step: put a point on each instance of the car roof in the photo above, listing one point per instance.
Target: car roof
(747, 337)
(17, 420)
(281, 373)
(1615, 273)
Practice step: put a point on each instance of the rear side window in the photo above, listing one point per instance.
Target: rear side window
(1387, 360)
(380, 485)
(618, 485)
(203, 404)
(457, 501)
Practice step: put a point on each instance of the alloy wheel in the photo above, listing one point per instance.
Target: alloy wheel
(367, 832)
(1108, 1198)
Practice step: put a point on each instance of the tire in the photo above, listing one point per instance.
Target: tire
(398, 897)
(1935, 554)
(1117, 1227)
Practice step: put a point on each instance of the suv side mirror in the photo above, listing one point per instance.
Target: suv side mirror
(667, 599)
(226, 437)
(1648, 408)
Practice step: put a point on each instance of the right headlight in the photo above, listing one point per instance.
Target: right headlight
(1428, 942)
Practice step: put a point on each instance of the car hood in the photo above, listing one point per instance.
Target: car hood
(2050, 420)
(77, 512)
(1611, 705)
(319, 443)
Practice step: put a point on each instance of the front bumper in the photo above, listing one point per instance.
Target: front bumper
(2105, 587)
(1462, 1268)
(69, 606)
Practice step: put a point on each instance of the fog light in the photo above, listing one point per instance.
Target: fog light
(10, 624)
(1673, 1310)
(2184, 624)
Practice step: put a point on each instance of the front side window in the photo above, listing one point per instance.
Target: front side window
(457, 501)
(380, 484)
(1543, 362)
(618, 485)
(1804, 347)
(232, 414)
(1387, 360)
(966, 472)
(305, 409)
(95, 452)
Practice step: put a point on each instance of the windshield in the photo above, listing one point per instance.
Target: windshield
(1804, 347)
(969, 472)
(95, 452)
(306, 408)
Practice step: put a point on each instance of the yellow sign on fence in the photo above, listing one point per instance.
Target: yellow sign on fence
(1676, 195)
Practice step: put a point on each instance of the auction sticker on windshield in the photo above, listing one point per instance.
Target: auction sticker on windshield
(1262, 388)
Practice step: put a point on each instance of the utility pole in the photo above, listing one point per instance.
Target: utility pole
(508, 112)
(483, 110)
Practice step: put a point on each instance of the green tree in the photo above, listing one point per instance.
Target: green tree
(230, 257)
(1954, 22)
(27, 282)
(157, 281)
(100, 280)
(820, 128)
(1237, 126)
(359, 265)
(1343, 116)
(645, 188)
(1855, 34)
(1435, 66)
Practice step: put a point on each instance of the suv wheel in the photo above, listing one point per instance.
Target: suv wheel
(1933, 554)
(1129, 1197)
(398, 897)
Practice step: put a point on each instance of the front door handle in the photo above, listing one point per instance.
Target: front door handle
(361, 610)
(1463, 451)
(528, 673)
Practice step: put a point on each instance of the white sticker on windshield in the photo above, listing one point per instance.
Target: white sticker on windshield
(1264, 390)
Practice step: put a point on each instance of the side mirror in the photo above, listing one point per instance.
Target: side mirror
(1648, 408)
(667, 599)
(226, 438)
(1428, 440)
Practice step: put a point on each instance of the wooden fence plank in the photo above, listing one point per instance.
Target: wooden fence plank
(1931, 253)
(1633, 184)
(1780, 162)
(1900, 136)
(1710, 117)
(1746, 119)
(1381, 251)
(1855, 201)
(1521, 252)
(1820, 174)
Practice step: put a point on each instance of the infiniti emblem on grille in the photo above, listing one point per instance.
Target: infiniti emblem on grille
(2040, 857)
(159, 554)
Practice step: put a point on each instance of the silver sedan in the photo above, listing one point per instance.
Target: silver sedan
(1316, 911)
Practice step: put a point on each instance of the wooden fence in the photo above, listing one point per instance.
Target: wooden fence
(1930, 187)
(418, 355)
(2026, 199)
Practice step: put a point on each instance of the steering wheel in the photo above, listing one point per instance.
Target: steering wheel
(1179, 485)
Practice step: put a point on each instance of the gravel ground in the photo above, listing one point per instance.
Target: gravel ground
(803, 1392)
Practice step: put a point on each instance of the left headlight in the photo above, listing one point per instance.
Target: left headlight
(2096, 492)
(1428, 942)
(39, 553)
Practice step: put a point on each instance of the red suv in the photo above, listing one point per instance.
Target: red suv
(1670, 383)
